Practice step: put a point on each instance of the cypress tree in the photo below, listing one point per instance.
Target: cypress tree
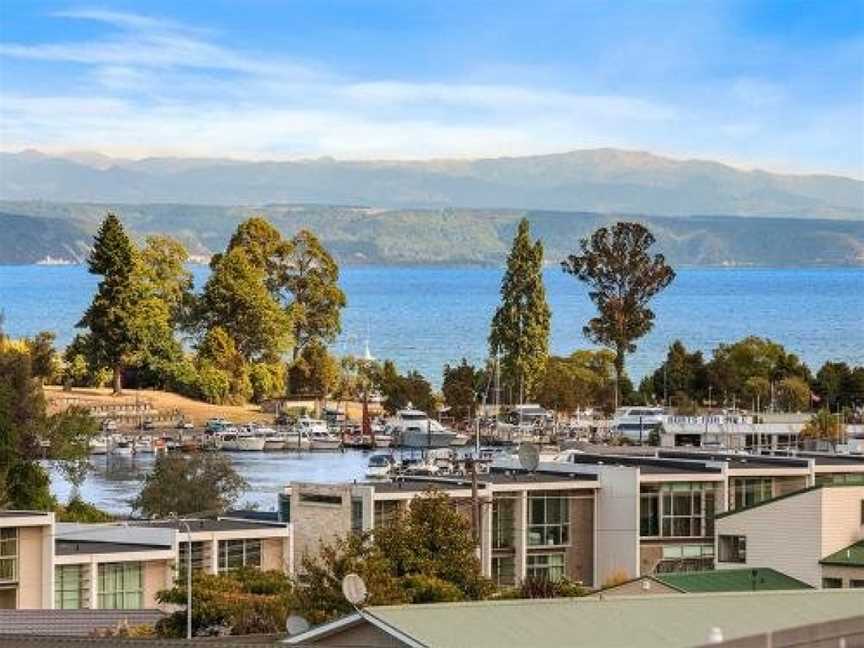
(520, 327)
(109, 317)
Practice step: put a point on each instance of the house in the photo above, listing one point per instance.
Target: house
(647, 621)
(26, 559)
(812, 535)
(539, 524)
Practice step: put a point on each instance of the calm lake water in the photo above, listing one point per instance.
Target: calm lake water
(424, 317)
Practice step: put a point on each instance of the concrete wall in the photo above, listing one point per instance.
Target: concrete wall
(580, 555)
(317, 523)
(617, 522)
(846, 574)
(841, 517)
(157, 575)
(34, 583)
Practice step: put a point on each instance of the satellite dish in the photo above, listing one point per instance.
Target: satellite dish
(296, 624)
(354, 589)
(529, 456)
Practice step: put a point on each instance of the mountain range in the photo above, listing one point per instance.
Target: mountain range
(598, 180)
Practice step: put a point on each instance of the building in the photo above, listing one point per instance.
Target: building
(539, 524)
(647, 621)
(703, 582)
(122, 566)
(813, 535)
(26, 559)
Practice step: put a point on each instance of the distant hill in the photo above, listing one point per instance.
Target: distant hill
(362, 235)
(601, 180)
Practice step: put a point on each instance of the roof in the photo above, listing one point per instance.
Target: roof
(737, 461)
(851, 556)
(18, 514)
(71, 623)
(72, 547)
(731, 580)
(212, 525)
(498, 476)
(834, 459)
(660, 621)
(420, 485)
(646, 465)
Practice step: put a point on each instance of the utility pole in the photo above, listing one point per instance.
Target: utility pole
(475, 506)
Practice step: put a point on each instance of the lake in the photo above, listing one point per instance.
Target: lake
(424, 317)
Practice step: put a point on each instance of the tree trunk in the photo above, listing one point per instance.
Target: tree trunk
(118, 375)
(619, 373)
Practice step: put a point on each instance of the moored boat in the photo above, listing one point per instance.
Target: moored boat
(237, 440)
(379, 466)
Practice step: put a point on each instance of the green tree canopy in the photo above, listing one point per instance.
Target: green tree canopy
(463, 387)
(623, 278)
(520, 326)
(315, 372)
(203, 483)
(582, 379)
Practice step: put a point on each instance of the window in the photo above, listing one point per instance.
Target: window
(8, 554)
(235, 554)
(385, 512)
(733, 548)
(284, 507)
(545, 566)
(504, 570)
(649, 511)
(747, 492)
(71, 591)
(502, 522)
(856, 583)
(862, 512)
(840, 478)
(356, 515)
(121, 586)
(316, 498)
(832, 583)
(199, 560)
(548, 519)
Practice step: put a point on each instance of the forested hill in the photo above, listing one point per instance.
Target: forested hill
(32, 231)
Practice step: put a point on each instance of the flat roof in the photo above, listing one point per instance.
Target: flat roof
(657, 621)
(211, 525)
(74, 547)
(418, 485)
(835, 460)
(15, 514)
(647, 465)
(737, 461)
(510, 476)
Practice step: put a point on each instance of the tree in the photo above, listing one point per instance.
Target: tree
(312, 277)
(189, 485)
(794, 394)
(315, 372)
(824, 426)
(623, 278)
(833, 382)
(69, 433)
(683, 375)
(218, 353)
(520, 326)
(108, 318)
(582, 379)
(161, 268)
(462, 387)
(44, 357)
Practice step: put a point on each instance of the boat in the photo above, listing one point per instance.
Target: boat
(122, 446)
(145, 445)
(324, 441)
(636, 423)
(273, 440)
(99, 445)
(309, 425)
(460, 440)
(217, 425)
(237, 440)
(379, 466)
(411, 428)
(383, 440)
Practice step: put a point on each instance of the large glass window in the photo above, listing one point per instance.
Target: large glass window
(235, 554)
(8, 554)
(199, 558)
(677, 510)
(545, 566)
(839, 478)
(71, 591)
(548, 519)
(747, 492)
(832, 583)
(356, 515)
(502, 522)
(504, 570)
(385, 512)
(121, 586)
(733, 548)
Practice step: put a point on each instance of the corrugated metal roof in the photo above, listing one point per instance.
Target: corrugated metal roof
(660, 621)
(731, 580)
(71, 623)
(852, 556)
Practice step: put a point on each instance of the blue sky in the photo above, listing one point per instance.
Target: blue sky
(778, 85)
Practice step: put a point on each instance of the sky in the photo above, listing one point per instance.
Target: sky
(770, 84)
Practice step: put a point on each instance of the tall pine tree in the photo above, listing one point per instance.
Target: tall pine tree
(110, 316)
(520, 327)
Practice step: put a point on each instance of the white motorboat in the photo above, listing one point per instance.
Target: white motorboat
(273, 440)
(144, 444)
(460, 440)
(309, 425)
(237, 440)
(383, 440)
(296, 440)
(411, 428)
(324, 441)
(636, 423)
(122, 446)
(379, 466)
(99, 445)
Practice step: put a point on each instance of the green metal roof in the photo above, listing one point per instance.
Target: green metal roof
(657, 621)
(731, 580)
(851, 556)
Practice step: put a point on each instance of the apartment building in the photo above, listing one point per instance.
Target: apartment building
(815, 535)
(26, 559)
(539, 524)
